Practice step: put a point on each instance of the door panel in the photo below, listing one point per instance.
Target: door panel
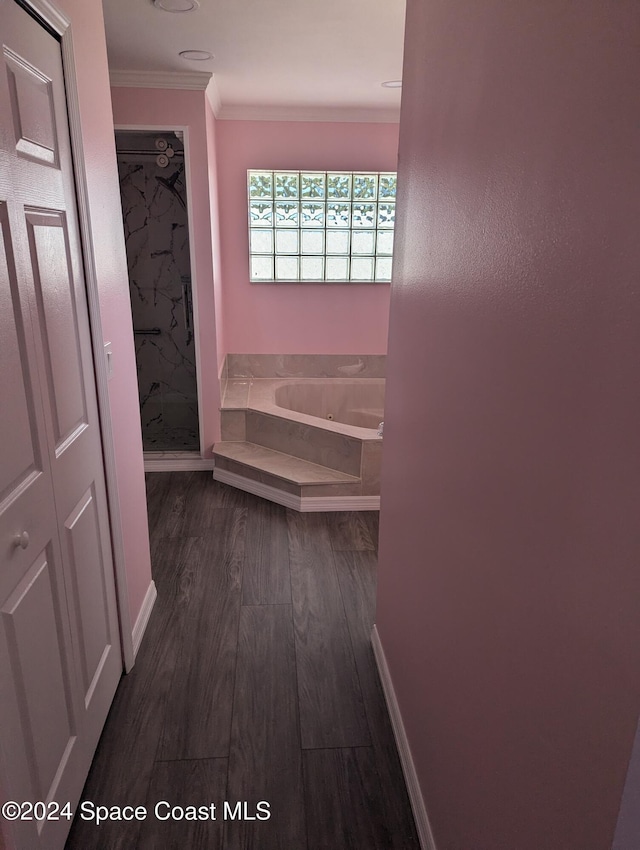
(86, 569)
(32, 109)
(38, 659)
(60, 658)
(40, 710)
(23, 461)
(58, 320)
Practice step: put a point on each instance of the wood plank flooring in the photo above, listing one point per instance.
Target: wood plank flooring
(255, 682)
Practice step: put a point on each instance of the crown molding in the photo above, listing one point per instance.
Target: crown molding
(205, 81)
(198, 80)
(341, 114)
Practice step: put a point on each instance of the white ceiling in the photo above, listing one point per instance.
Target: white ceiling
(272, 56)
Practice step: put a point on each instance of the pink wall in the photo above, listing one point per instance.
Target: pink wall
(111, 265)
(289, 318)
(172, 108)
(509, 585)
(214, 208)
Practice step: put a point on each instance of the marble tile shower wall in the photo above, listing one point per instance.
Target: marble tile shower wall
(157, 241)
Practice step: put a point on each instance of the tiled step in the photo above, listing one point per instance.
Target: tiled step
(316, 445)
(276, 468)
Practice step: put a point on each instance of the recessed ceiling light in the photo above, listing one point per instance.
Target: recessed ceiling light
(196, 55)
(176, 5)
(392, 84)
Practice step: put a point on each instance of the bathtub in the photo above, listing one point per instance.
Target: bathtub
(350, 406)
(344, 402)
(329, 422)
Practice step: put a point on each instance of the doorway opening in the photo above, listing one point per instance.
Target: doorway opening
(153, 189)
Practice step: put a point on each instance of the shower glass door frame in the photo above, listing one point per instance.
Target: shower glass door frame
(171, 128)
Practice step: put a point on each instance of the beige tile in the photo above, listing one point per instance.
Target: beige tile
(237, 366)
(262, 392)
(222, 463)
(371, 460)
(305, 365)
(236, 395)
(332, 490)
(233, 425)
(278, 483)
(253, 474)
(317, 445)
(279, 464)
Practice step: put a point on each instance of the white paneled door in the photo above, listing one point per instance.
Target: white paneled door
(60, 659)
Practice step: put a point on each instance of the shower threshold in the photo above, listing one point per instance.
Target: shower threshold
(167, 461)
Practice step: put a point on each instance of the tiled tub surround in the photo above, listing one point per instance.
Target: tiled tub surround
(304, 366)
(277, 441)
(157, 243)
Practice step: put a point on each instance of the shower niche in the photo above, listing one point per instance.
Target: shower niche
(151, 167)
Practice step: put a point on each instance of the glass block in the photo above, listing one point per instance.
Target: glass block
(364, 215)
(286, 268)
(362, 268)
(385, 242)
(338, 215)
(312, 241)
(312, 185)
(287, 214)
(286, 241)
(386, 215)
(287, 184)
(338, 241)
(363, 242)
(364, 186)
(339, 186)
(336, 225)
(383, 268)
(261, 213)
(261, 241)
(312, 215)
(337, 268)
(387, 187)
(311, 268)
(261, 184)
(261, 268)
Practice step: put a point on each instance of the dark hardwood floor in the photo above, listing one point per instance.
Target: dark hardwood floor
(255, 682)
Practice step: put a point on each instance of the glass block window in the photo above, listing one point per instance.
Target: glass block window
(309, 226)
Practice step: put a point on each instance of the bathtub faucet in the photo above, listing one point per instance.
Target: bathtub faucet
(380, 429)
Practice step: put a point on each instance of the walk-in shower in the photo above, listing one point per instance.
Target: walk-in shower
(154, 207)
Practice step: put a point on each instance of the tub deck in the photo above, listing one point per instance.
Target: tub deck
(296, 459)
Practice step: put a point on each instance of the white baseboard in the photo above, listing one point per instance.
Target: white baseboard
(143, 617)
(423, 826)
(176, 462)
(304, 504)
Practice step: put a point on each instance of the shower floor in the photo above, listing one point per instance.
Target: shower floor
(169, 427)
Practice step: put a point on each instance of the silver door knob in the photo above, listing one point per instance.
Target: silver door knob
(21, 540)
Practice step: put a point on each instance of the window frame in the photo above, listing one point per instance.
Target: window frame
(278, 200)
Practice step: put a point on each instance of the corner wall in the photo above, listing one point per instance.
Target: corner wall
(296, 318)
(214, 208)
(509, 580)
